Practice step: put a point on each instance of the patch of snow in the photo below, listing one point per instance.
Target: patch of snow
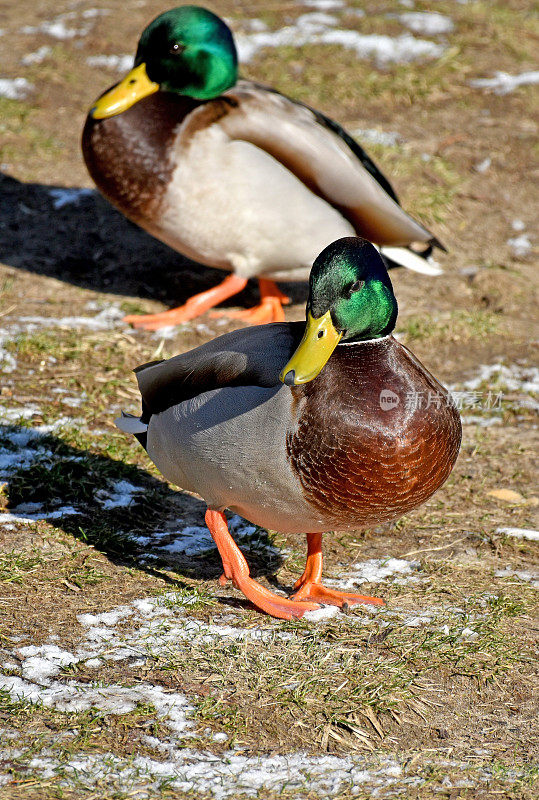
(503, 83)
(195, 540)
(514, 377)
(518, 225)
(520, 245)
(15, 88)
(62, 26)
(384, 49)
(484, 165)
(520, 574)
(37, 56)
(121, 63)
(107, 318)
(106, 617)
(321, 28)
(232, 774)
(27, 519)
(376, 570)
(520, 533)
(43, 661)
(482, 422)
(167, 332)
(324, 5)
(171, 708)
(121, 493)
(69, 196)
(321, 614)
(374, 136)
(91, 13)
(429, 23)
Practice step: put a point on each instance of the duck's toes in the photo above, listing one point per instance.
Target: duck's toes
(271, 603)
(196, 305)
(318, 592)
(270, 309)
(153, 322)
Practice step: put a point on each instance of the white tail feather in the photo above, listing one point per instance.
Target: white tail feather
(406, 258)
(130, 424)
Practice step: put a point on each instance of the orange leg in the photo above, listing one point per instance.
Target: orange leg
(309, 587)
(194, 307)
(236, 569)
(270, 308)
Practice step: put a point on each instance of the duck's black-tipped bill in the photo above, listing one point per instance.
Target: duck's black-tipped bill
(290, 378)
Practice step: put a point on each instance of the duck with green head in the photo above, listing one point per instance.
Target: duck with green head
(286, 424)
(233, 174)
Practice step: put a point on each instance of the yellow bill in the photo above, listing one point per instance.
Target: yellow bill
(319, 341)
(134, 87)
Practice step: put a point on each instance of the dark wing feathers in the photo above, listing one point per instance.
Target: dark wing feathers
(247, 357)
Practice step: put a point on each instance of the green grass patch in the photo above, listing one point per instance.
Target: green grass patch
(15, 566)
(459, 325)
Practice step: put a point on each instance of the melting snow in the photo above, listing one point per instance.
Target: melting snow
(374, 136)
(121, 493)
(429, 23)
(484, 165)
(319, 27)
(520, 574)
(230, 774)
(15, 88)
(26, 518)
(37, 56)
(520, 245)
(61, 27)
(121, 63)
(377, 570)
(107, 318)
(520, 533)
(171, 708)
(503, 83)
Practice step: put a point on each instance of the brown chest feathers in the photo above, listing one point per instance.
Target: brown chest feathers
(376, 434)
(128, 156)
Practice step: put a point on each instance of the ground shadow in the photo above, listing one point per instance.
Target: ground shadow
(158, 529)
(79, 238)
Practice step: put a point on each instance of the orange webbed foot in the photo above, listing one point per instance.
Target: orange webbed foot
(309, 587)
(236, 569)
(319, 593)
(197, 305)
(270, 308)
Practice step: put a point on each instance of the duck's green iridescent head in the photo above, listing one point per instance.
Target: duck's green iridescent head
(350, 300)
(188, 50)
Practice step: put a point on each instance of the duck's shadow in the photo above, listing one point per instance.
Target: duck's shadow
(76, 236)
(120, 509)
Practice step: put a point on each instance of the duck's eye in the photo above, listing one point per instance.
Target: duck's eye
(176, 49)
(321, 334)
(355, 287)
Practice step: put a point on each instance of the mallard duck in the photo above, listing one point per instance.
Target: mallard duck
(331, 425)
(233, 174)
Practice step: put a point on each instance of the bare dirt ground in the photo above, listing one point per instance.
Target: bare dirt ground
(125, 670)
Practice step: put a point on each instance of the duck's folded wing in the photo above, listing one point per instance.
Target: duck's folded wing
(319, 152)
(247, 357)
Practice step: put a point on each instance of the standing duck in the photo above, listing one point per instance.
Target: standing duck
(233, 174)
(331, 425)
